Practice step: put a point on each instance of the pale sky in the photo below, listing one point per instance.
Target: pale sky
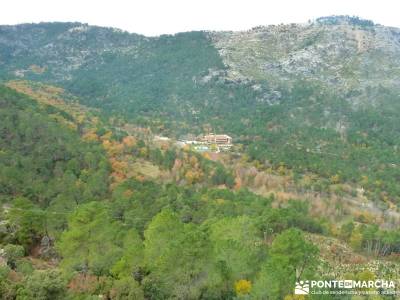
(155, 17)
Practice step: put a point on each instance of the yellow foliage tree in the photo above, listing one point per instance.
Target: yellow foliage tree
(356, 240)
(190, 176)
(282, 169)
(242, 287)
(90, 136)
(206, 155)
(335, 179)
(193, 161)
(106, 136)
(112, 148)
(106, 145)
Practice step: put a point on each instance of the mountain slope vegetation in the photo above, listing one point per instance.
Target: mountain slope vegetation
(92, 205)
(320, 97)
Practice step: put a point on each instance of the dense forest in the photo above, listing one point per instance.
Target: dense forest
(93, 207)
(73, 228)
(179, 84)
(140, 240)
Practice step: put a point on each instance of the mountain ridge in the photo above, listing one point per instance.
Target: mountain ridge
(328, 20)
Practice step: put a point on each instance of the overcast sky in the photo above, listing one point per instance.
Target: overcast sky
(155, 17)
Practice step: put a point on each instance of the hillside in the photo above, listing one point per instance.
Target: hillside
(93, 205)
(104, 232)
(323, 97)
(65, 231)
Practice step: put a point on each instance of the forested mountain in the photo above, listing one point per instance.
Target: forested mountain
(75, 222)
(323, 97)
(92, 205)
